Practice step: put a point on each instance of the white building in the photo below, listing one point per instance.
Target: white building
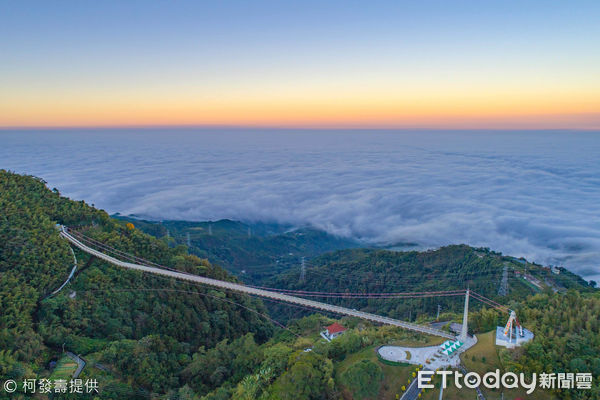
(332, 331)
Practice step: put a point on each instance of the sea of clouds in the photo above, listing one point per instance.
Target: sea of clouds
(534, 194)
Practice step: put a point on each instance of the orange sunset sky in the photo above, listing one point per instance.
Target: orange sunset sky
(431, 65)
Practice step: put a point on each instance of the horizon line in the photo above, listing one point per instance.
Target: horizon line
(291, 127)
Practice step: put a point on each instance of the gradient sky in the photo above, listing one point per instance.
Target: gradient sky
(429, 64)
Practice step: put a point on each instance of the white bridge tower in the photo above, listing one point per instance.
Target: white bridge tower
(465, 328)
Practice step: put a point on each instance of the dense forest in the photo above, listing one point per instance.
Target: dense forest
(148, 337)
(448, 268)
(148, 328)
(252, 251)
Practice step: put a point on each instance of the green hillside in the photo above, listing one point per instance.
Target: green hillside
(146, 329)
(448, 268)
(253, 252)
(150, 337)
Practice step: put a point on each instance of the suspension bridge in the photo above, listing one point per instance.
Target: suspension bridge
(115, 257)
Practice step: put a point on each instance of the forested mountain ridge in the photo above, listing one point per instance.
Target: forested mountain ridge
(252, 251)
(454, 267)
(150, 326)
(150, 337)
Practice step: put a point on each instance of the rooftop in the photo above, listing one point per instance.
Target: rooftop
(335, 328)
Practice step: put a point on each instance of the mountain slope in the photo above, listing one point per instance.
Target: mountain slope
(104, 306)
(253, 252)
(448, 268)
(150, 337)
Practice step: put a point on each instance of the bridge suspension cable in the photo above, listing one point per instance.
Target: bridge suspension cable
(289, 297)
(86, 239)
(345, 295)
(489, 301)
(161, 270)
(314, 269)
(370, 294)
(305, 293)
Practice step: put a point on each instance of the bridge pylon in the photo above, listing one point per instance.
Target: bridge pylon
(465, 328)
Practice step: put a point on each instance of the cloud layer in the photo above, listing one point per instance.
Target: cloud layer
(525, 194)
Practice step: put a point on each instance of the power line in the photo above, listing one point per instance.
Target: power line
(503, 289)
(302, 271)
(368, 296)
(459, 291)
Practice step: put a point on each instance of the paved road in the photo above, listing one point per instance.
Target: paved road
(258, 292)
(412, 392)
(480, 395)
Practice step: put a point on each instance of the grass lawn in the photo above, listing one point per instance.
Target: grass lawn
(531, 285)
(484, 353)
(65, 368)
(394, 375)
(427, 341)
(486, 349)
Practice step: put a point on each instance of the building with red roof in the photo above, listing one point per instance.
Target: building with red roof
(334, 330)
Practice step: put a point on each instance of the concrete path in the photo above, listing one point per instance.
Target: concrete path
(79, 361)
(430, 357)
